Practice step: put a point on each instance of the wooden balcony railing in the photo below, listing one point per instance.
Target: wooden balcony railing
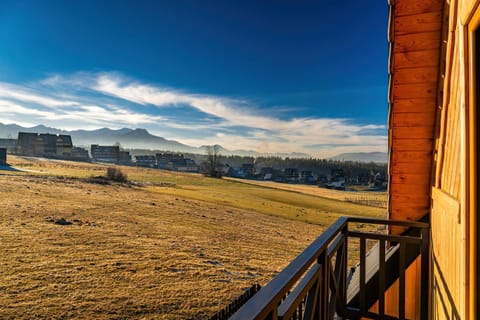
(317, 284)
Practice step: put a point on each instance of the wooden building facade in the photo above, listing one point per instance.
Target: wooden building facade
(434, 47)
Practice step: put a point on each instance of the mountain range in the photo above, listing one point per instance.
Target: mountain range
(131, 139)
(142, 139)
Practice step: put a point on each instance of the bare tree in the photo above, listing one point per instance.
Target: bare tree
(213, 161)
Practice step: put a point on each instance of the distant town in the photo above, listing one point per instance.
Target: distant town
(334, 174)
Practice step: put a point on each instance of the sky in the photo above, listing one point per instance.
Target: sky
(270, 76)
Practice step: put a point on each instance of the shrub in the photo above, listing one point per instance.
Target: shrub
(115, 174)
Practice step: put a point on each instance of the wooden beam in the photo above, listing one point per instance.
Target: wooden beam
(415, 59)
(407, 7)
(404, 119)
(400, 145)
(409, 198)
(403, 204)
(416, 105)
(430, 21)
(411, 157)
(411, 178)
(421, 191)
(415, 75)
(413, 133)
(408, 213)
(416, 90)
(405, 167)
(417, 42)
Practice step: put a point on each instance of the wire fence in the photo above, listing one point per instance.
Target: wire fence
(368, 199)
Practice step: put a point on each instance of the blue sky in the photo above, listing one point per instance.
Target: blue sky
(271, 76)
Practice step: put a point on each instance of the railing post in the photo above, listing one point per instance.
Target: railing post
(339, 274)
(381, 276)
(344, 269)
(425, 266)
(324, 288)
(312, 304)
(401, 281)
(363, 273)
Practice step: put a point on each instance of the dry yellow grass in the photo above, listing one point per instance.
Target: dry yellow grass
(175, 247)
(316, 191)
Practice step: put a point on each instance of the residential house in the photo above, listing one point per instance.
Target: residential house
(9, 144)
(44, 144)
(79, 154)
(109, 154)
(163, 159)
(322, 180)
(290, 175)
(363, 178)
(3, 156)
(149, 161)
(337, 173)
(267, 173)
(124, 157)
(306, 176)
(230, 171)
(248, 170)
(176, 162)
(187, 165)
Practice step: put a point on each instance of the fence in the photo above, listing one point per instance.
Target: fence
(368, 199)
(229, 310)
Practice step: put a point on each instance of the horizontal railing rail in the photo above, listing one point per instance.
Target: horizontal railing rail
(315, 284)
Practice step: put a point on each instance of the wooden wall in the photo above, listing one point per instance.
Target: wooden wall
(415, 36)
(450, 206)
(415, 62)
(429, 146)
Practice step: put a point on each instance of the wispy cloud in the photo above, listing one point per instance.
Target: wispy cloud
(113, 100)
(19, 93)
(26, 103)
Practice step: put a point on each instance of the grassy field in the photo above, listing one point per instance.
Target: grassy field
(349, 196)
(168, 246)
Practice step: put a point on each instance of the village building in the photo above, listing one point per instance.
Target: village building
(44, 145)
(9, 144)
(229, 171)
(306, 176)
(185, 165)
(149, 161)
(248, 170)
(108, 154)
(79, 154)
(363, 178)
(164, 158)
(176, 162)
(3, 156)
(267, 173)
(337, 173)
(290, 175)
(322, 180)
(124, 158)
